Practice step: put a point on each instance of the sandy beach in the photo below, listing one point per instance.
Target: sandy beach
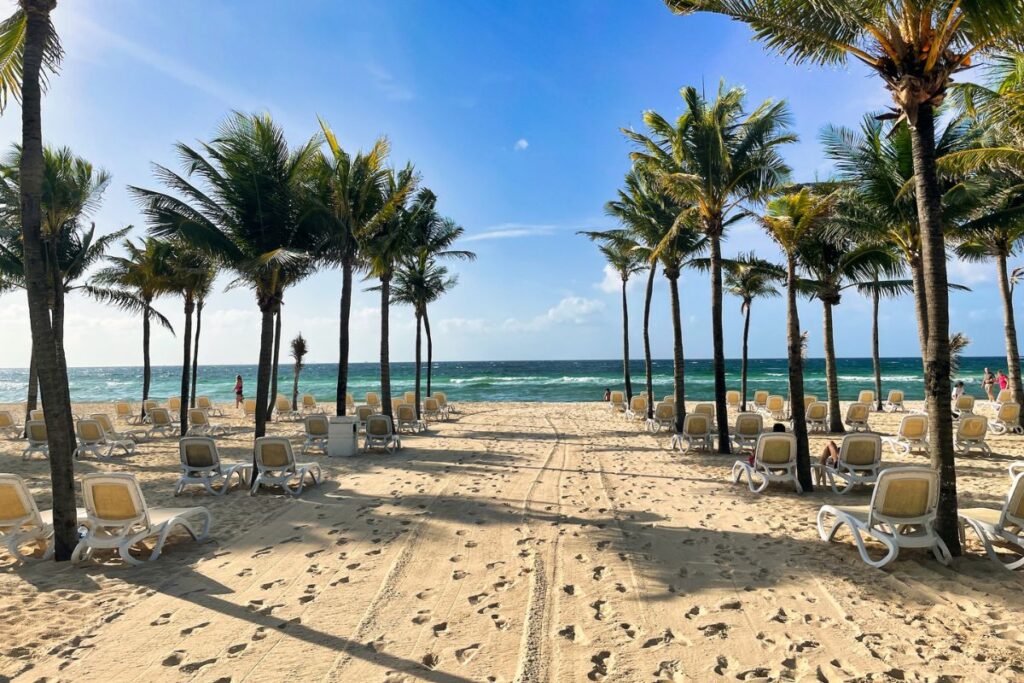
(517, 542)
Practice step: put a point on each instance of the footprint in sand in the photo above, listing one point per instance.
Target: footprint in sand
(164, 618)
(694, 612)
(458, 575)
(628, 629)
(271, 584)
(245, 572)
(192, 629)
(174, 659)
(236, 649)
(719, 630)
(495, 565)
(499, 623)
(342, 579)
(263, 551)
(439, 629)
(430, 660)
(602, 662)
(504, 585)
(569, 589)
(660, 641)
(422, 617)
(193, 667)
(422, 595)
(352, 567)
(466, 654)
(569, 632)
(260, 633)
(599, 609)
(476, 599)
(599, 572)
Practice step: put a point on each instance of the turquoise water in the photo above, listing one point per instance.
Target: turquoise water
(504, 380)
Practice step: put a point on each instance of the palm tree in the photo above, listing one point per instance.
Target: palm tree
(202, 292)
(299, 350)
(417, 283)
(143, 274)
(384, 246)
(246, 213)
(749, 277)
(353, 201)
(717, 157)
(189, 277)
(433, 238)
(958, 343)
(876, 289)
(915, 48)
(626, 260)
(291, 275)
(29, 49)
(790, 220)
(833, 261)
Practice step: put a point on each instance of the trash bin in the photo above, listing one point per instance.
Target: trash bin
(342, 436)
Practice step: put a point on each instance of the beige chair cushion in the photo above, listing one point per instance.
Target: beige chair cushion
(198, 455)
(776, 452)
(860, 452)
(113, 501)
(274, 455)
(11, 504)
(906, 498)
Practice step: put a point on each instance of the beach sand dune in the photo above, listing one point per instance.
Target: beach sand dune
(518, 542)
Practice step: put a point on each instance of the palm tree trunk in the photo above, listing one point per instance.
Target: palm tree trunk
(835, 418)
(419, 363)
(920, 309)
(743, 369)
(195, 353)
(626, 379)
(295, 386)
(678, 361)
(272, 398)
(385, 358)
(796, 378)
(346, 310)
(263, 370)
(937, 370)
(52, 370)
(430, 349)
(1010, 329)
(876, 360)
(718, 361)
(147, 370)
(648, 371)
(186, 365)
(32, 399)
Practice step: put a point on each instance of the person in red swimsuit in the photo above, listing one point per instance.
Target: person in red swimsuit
(239, 398)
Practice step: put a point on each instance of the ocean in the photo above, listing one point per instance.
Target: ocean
(557, 381)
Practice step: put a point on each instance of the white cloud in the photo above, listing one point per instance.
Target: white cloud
(464, 326)
(510, 231)
(611, 282)
(964, 273)
(386, 83)
(521, 144)
(571, 310)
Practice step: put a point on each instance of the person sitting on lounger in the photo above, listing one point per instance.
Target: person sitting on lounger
(829, 456)
(958, 391)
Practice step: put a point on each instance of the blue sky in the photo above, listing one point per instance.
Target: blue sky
(511, 112)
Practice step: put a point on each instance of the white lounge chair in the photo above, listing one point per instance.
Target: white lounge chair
(857, 415)
(1004, 527)
(774, 460)
(431, 409)
(696, 434)
(1007, 419)
(670, 399)
(1004, 396)
(617, 402)
(115, 439)
(708, 410)
(775, 407)
(161, 424)
(309, 404)
(148, 406)
(894, 403)
(746, 431)
(817, 417)
(760, 399)
(637, 408)
(201, 465)
(199, 424)
(808, 400)
(92, 438)
(249, 407)
(964, 405)
(912, 433)
(732, 399)
(859, 462)
(22, 522)
(118, 518)
(970, 435)
(405, 418)
(174, 407)
(276, 466)
(315, 428)
(8, 426)
(363, 414)
(866, 396)
(125, 412)
(901, 515)
(283, 409)
(447, 406)
(410, 397)
(206, 405)
(373, 401)
(381, 434)
(350, 403)
(664, 417)
(35, 432)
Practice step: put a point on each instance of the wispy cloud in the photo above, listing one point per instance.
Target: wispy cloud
(611, 282)
(571, 310)
(510, 231)
(521, 144)
(178, 71)
(385, 82)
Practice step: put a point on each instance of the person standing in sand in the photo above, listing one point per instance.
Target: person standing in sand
(239, 398)
(1003, 380)
(987, 381)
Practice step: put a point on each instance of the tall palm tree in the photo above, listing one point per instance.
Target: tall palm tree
(353, 202)
(790, 220)
(384, 246)
(876, 289)
(433, 237)
(915, 48)
(717, 157)
(202, 292)
(189, 277)
(246, 212)
(29, 49)
(417, 283)
(299, 351)
(290, 276)
(749, 277)
(626, 260)
(141, 275)
(832, 261)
